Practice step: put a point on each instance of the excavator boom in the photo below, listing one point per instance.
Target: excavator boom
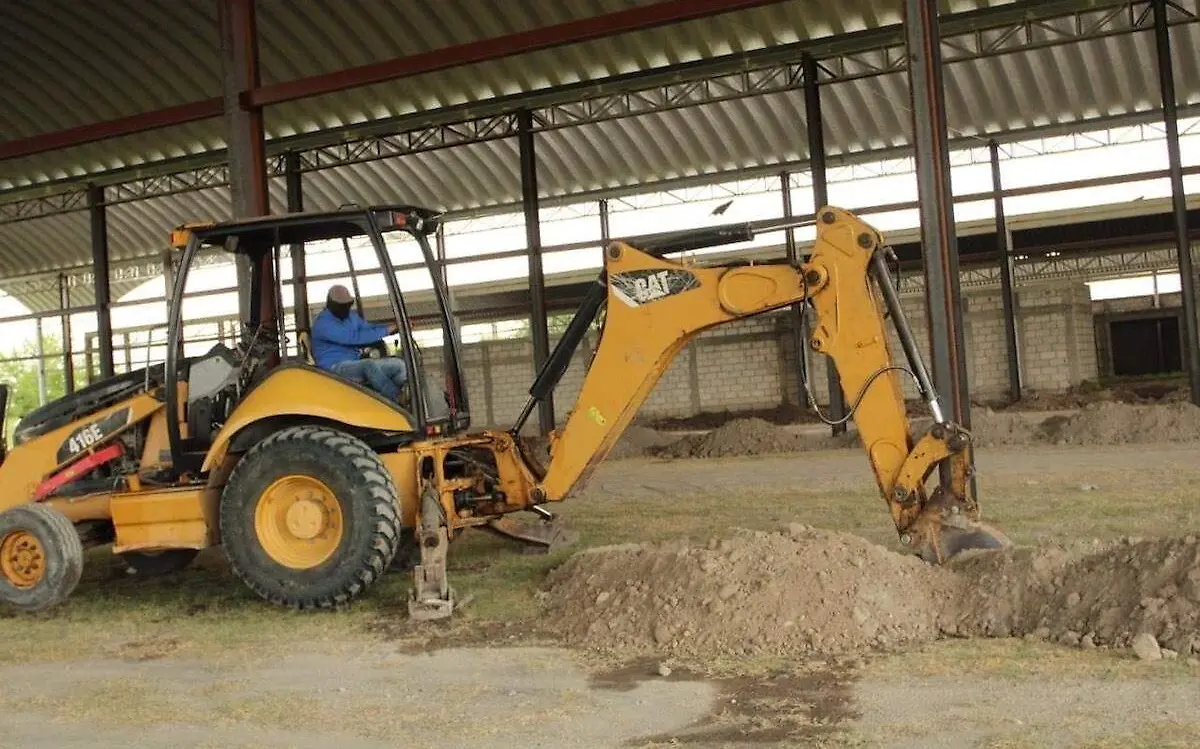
(655, 306)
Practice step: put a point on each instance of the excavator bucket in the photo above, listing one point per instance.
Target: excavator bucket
(970, 536)
(941, 537)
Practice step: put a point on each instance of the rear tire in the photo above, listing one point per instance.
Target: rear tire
(41, 557)
(309, 518)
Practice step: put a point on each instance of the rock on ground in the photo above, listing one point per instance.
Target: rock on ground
(1145, 647)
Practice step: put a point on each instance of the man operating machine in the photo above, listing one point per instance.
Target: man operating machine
(338, 337)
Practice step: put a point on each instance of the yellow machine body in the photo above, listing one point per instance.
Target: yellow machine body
(431, 486)
(306, 394)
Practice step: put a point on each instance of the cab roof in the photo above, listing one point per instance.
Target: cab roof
(308, 226)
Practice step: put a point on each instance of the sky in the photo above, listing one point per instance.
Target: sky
(1136, 149)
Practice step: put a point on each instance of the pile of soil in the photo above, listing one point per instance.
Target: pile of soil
(750, 436)
(638, 442)
(1111, 423)
(996, 428)
(1157, 390)
(805, 590)
(785, 413)
(813, 591)
(1103, 423)
(1100, 594)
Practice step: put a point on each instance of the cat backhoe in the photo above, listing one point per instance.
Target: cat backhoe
(312, 483)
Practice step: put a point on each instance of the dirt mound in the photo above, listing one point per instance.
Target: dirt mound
(802, 591)
(814, 591)
(994, 428)
(638, 442)
(785, 413)
(1105, 595)
(1112, 423)
(749, 436)
(1104, 423)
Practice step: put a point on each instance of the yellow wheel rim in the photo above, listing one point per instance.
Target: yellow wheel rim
(298, 521)
(22, 560)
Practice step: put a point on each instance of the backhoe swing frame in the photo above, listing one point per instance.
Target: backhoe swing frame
(654, 306)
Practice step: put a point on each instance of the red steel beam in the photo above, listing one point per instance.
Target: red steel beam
(138, 123)
(571, 32)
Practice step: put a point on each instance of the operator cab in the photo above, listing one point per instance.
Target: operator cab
(384, 251)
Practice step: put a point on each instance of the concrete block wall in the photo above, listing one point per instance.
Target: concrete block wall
(752, 364)
(1056, 336)
(987, 358)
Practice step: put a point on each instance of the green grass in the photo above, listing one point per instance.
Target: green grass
(205, 611)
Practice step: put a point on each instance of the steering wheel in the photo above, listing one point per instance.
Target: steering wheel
(377, 350)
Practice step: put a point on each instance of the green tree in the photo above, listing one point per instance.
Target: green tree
(20, 373)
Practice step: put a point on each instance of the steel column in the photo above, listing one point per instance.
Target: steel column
(64, 303)
(815, 124)
(1007, 297)
(99, 221)
(247, 160)
(940, 245)
(294, 183)
(533, 243)
(1187, 277)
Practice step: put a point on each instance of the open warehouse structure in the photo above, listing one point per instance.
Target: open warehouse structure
(1071, 129)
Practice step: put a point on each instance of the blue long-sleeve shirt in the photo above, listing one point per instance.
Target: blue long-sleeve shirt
(335, 340)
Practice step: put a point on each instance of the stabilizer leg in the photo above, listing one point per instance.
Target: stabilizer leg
(431, 596)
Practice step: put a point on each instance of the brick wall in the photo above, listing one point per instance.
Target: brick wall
(751, 364)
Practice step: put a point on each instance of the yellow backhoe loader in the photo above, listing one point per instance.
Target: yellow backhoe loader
(311, 482)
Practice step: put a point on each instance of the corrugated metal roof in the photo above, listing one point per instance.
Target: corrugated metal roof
(167, 54)
(1062, 84)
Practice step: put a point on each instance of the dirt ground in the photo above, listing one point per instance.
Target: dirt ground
(193, 660)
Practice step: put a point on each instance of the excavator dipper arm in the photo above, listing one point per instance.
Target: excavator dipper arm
(655, 306)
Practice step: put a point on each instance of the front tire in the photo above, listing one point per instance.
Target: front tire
(41, 557)
(309, 518)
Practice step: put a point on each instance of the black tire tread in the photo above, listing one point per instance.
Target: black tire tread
(374, 475)
(65, 538)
